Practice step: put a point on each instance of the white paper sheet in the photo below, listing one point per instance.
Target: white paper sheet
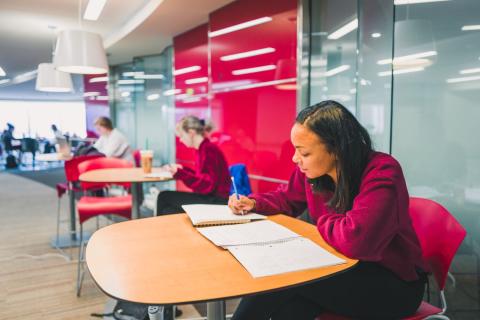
(282, 257)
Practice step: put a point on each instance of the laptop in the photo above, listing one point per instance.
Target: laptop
(64, 147)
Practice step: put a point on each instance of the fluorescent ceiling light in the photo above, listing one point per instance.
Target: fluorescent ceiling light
(408, 57)
(471, 27)
(149, 76)
(186, 70)
(98, 79)
(196, 80)
(400, 71)
(94, 9)
(337, 70)
(91, 94)
(253, 70)
(171, 92)
(467, 71)
(2, 72)
(239, 26)
(132, 73)
(4, 81)
(102, 98)
(125, 94)
(464, 79)
(128, 81)
(154, 96)
(376, 35)
(247, 54)
(349, 27)
(403, 2)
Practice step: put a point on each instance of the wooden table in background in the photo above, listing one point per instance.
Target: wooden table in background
(122, 175)
(165, 260)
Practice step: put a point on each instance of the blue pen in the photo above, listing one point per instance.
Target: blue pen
(235, 189)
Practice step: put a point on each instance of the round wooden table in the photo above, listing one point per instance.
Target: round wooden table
(121, 175)
(164, 260)
(52, 157)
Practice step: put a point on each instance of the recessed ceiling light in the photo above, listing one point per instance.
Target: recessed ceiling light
(376, 35)
(403, 2)
(178, 72)
(196, 80)
(473, 27)
(247, 54)
(239, 26)
(467, 71)
(464, 79)
(349, 27)
(254, 69)
(94, 9)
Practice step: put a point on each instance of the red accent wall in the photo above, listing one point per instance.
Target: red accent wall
(252, 113)
(95, 108)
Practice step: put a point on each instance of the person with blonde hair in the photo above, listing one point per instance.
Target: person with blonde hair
(209, 180)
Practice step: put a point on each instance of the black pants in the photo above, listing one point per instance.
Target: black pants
(171, 201)
(367, 291)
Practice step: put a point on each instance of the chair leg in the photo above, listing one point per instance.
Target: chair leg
(57, 238)
(80, 263)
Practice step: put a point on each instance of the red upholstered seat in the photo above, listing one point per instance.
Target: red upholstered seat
(89, 207)
(440, 235)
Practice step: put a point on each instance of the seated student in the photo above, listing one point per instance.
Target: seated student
(210, 180)
(112, 143)
(358, 200)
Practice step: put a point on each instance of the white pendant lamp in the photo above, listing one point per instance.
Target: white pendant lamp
(80, 52)
(51, 80)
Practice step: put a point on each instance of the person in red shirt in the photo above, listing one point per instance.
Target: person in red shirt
(358, 200)
(210, 180)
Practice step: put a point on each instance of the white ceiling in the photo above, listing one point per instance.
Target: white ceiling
(130, 28)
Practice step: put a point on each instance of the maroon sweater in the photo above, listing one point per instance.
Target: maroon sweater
(377, 228)
(211, 175)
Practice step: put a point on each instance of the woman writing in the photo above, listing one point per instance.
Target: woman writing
(358, 200)
(210, 180)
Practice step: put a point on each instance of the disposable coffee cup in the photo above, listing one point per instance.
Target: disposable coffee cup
(146, 157)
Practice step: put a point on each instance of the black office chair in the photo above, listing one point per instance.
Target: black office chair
(29, 145)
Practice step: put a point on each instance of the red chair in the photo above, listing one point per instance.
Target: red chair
(91, 206)
(440, 235)
(71, 174)
(137, 158)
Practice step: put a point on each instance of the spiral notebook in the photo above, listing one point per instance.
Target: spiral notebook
(266, 248)
(290, 255)
(214, 214)
(258, 232)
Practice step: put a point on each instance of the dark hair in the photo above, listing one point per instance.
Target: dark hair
(344, 137)
(104, 122)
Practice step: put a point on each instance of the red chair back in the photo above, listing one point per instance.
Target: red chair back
(439, 234)
(71, 166)
(137, 157)
(102, 163)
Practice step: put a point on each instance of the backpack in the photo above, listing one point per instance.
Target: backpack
(11, 162)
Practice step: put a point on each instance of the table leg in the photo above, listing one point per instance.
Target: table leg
(216, 310)
(135, 200)
(73, 222)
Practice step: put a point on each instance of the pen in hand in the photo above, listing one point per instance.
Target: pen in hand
(236, 191)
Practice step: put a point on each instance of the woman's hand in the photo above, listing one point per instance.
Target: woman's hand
(242, 205)
(172, 168)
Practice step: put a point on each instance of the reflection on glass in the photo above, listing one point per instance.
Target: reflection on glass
(334, 52)
(435, 120)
